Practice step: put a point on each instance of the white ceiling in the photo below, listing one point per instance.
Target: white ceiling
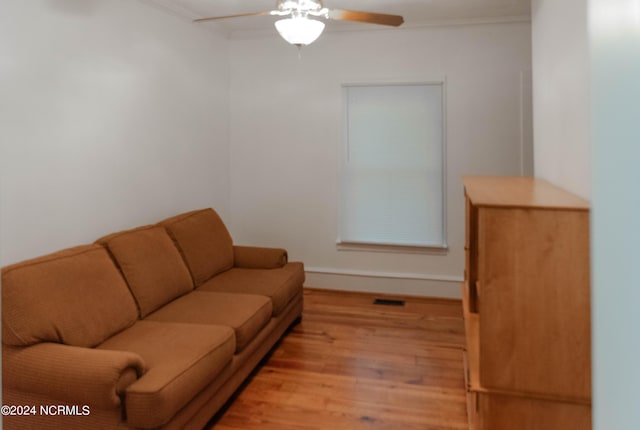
(415, 12)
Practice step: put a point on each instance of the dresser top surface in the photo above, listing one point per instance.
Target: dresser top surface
(520, 192)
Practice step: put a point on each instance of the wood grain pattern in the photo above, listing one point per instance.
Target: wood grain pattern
(519, 192)
(528, 352)
(368, 17)
(536, 295)
(353, 365)
(526, 413)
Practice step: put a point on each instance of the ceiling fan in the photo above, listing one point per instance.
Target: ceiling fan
(297, 26)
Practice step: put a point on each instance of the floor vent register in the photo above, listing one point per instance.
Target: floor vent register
(388, 302)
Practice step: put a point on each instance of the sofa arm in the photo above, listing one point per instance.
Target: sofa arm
(253, 257)
(71, 374)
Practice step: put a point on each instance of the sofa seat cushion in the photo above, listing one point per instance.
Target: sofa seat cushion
(151, 264)
(247, 314)
(281, 285)
(76, 297)
(181, 360)
(204, 242)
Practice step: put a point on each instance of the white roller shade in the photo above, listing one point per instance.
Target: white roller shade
(392, 176)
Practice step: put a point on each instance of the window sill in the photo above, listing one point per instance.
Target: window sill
(389, 248)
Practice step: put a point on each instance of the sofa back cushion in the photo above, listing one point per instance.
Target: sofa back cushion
(204, 242)
(76, 297)
(151, 264)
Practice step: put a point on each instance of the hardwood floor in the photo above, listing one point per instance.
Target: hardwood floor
(352, 365)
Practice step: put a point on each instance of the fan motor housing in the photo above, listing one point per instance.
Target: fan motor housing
(300, 5)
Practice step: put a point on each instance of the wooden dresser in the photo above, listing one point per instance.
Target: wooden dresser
(526, 306)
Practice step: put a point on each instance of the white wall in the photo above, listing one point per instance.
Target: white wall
(561, 94)
(615, 67)
(112, 114)
(593, 64)
(286, 129)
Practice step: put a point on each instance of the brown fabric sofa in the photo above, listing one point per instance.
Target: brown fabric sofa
(154, 327)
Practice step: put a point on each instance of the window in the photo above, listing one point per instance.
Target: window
(392, 172)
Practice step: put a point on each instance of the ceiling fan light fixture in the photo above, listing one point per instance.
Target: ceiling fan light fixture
(299, 30)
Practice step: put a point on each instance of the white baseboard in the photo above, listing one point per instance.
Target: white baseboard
(405, 284)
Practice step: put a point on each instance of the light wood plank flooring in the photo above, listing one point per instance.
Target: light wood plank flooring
(352, 365)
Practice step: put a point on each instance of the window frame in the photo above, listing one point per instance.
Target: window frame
(435, 248)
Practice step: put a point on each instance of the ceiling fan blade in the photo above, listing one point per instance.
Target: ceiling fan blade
(373, 18)
(214, 18)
